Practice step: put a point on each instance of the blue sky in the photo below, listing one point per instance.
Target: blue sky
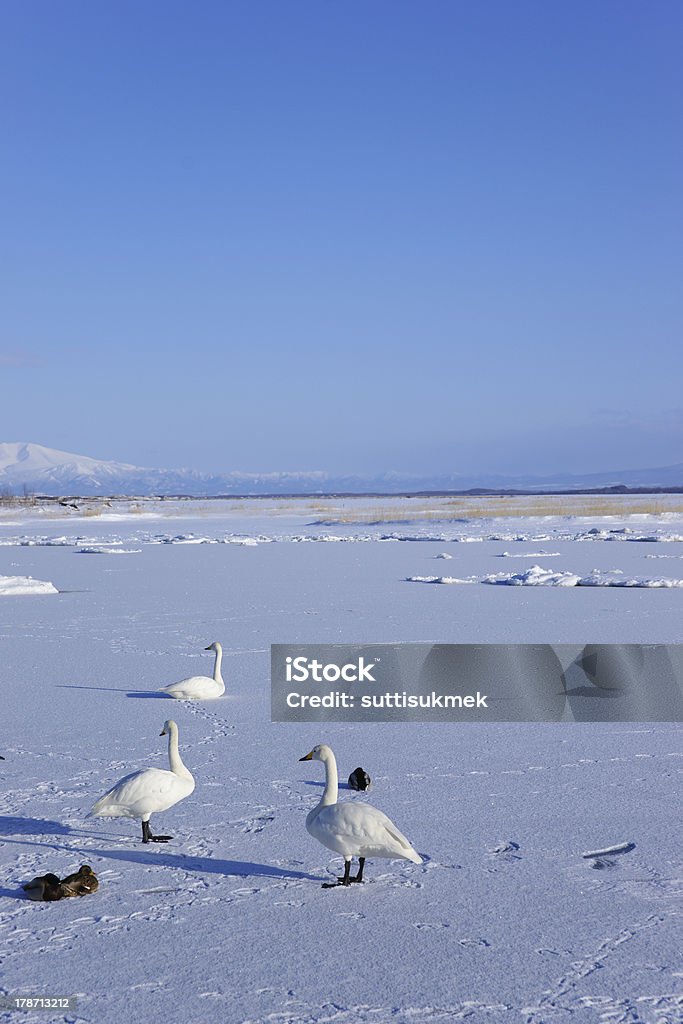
(435, 236)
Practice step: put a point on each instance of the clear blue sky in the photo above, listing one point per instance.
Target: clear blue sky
(352, 236)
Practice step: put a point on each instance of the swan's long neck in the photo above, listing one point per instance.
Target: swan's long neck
(174, 759)
(217, 664)
(331, 781)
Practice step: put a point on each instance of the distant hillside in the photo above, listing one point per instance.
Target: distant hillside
(41, 470)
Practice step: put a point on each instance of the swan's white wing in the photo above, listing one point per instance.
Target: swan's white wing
(142, 792)
(195, 688)
(356, 829)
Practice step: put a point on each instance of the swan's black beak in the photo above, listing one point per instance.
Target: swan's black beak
(308, 757)
(209, 648)
(163, 732)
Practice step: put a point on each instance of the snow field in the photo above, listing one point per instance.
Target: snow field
(508, 919)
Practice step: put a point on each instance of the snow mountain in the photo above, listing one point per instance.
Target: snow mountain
(40, 470)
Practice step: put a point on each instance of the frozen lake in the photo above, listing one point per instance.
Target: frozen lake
(504, 921)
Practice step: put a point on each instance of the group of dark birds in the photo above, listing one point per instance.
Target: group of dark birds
(49, 888)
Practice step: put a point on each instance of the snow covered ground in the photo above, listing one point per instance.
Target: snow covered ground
(506, 920)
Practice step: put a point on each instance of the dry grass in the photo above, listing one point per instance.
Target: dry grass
(440, 509)
(10, 500)
(399, 510)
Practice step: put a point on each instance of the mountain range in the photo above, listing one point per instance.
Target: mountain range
(27, 467)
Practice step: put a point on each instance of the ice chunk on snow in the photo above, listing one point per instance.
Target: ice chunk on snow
(536, 576)
(597, 579)
(188, 538)
(618, 848)
(103, 549)
(529, 554)
(439, 579)
(10, 586)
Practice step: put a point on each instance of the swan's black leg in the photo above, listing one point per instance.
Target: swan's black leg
(346, 880)
(147, 836)
(361, 865)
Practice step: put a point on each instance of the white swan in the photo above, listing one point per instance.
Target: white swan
(352, 829)
(142, 793)
(200, 687)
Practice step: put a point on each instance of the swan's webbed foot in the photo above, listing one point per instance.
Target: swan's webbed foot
(147, 836)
